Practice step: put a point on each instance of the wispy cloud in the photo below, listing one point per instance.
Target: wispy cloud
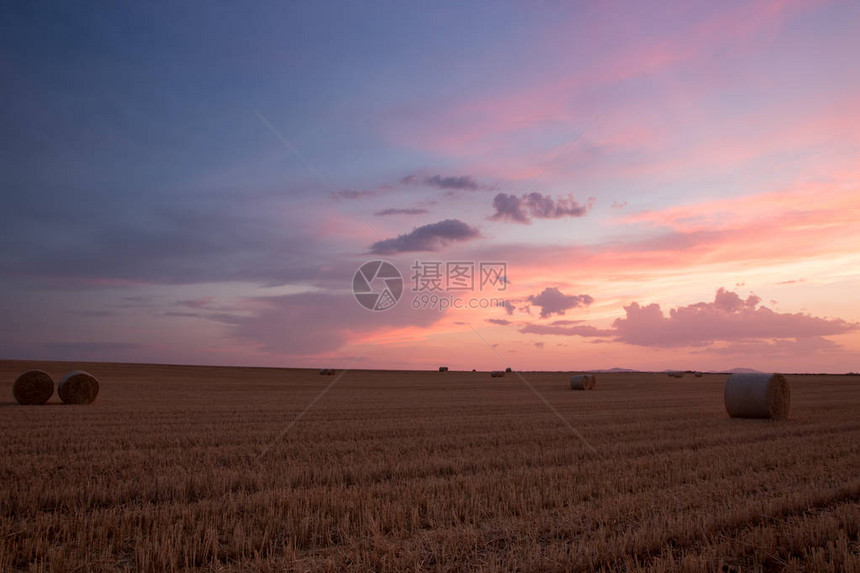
(802, 346)
(449, 183)
(355, 194)
(580, 330)
(410, 211)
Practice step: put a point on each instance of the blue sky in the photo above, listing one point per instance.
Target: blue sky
(151, 215)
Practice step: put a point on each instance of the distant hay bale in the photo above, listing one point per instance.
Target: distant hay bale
(78, 387)
(698, 374)
(758, 396)
(326, 371)
(497, 374)
(443, 369)
(508, 369)
(676, 374)
(582, 382)
(33, 388)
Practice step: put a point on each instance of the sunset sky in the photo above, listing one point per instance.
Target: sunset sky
(671, 185)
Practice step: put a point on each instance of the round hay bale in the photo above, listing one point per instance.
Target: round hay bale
(698, 374)
(508, 369)
(33, 388)
(497, 374)
(78, 387)
(758, 396)
(582, 382)
(443, 369)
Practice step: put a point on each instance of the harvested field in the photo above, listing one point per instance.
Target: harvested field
(395, 471)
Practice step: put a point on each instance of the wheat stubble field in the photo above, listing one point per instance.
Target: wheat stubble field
(403, 471)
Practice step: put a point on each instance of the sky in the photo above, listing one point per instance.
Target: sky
(666, 185)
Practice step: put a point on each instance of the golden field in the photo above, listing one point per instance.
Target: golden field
(182, 468)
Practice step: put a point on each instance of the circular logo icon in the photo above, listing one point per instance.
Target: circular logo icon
(377, 285)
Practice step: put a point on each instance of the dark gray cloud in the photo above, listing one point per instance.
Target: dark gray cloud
(499, 321)
(545, 207)
(553, 301)
(430, 237)
(538, 206)
(412, 211)
(449, 183)
(464, 182)
(511, 208)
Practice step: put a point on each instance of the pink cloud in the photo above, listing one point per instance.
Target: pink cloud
(727, 318)
(729, 325)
